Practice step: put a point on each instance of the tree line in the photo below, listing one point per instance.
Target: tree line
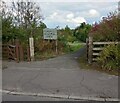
(24, 19)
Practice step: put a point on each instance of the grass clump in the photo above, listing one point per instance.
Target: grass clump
(110, 57)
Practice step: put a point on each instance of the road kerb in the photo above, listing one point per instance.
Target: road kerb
(52, 95)
(59, 96)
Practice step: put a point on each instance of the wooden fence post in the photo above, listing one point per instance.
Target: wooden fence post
(17, 50)
(90, 48)
(87, 47)
(56, 46)
(31, 45)
(28, 54)
(21, 53)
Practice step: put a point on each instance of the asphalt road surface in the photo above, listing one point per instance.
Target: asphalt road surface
(60, 76)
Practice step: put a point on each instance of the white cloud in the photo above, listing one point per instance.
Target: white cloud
(79, 20)
(74, 0)
(62, 13)
(76, 20)
(71, 15)
(56, 17)
(52, 16)
(93, 13)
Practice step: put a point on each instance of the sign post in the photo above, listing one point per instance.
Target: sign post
(31, 42)
(50, 34)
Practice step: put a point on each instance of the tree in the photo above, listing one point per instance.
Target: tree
(42, 25)
(6, 21)
(107, 29)
(81, 32)
(26, 15)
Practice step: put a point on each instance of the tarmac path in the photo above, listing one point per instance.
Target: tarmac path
(59, 77)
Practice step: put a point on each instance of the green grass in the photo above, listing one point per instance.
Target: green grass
(75, 46)
(45, 55)
(70, 47)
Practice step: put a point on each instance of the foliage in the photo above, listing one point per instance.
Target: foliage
(110, 57)
(26, 15)
(66, 35)
(75, 46)
(6, 21)
(6, 29)
(107, 29)
(20, 21)
(24, 19)
(81, 32)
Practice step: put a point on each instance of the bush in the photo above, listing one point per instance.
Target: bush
(110, 57)
(81, 32)
(107, 29)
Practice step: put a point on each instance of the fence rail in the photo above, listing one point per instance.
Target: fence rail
(94, 48)
(103, 43)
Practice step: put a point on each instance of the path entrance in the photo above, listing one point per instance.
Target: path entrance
(59, 76)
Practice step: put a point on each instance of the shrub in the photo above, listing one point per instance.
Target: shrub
(110, 57)
(107, 29)
(81, 32)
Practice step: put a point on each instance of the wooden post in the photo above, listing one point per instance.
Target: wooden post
(17, 50)
(87, 47)
(28, 53)
(31, 43)
(21, 53)
(90, 50)
(7, 51)
(56, 45)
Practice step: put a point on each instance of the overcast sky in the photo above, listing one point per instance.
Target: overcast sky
(74, 13)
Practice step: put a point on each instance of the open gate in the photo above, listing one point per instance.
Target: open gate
(11, 52)
(15, 52)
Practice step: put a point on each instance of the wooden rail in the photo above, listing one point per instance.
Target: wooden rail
(94, 49)
(104, 43)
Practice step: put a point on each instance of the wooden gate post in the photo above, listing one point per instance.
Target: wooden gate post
(28, 53)
(90, 48)
(87, 47)
(56, 46)
(31, 44)
(17, 50)
(21, 53)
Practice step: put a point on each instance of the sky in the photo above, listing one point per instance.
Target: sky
(73, 13)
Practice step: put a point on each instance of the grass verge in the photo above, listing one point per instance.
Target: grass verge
(95, 66)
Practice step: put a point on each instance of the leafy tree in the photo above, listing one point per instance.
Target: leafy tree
(39, 31)
(6, 21)
(26, 15)
(107, 29)
(81, 32)
(42, 25)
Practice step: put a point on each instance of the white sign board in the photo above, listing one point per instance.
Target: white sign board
(50, 33)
